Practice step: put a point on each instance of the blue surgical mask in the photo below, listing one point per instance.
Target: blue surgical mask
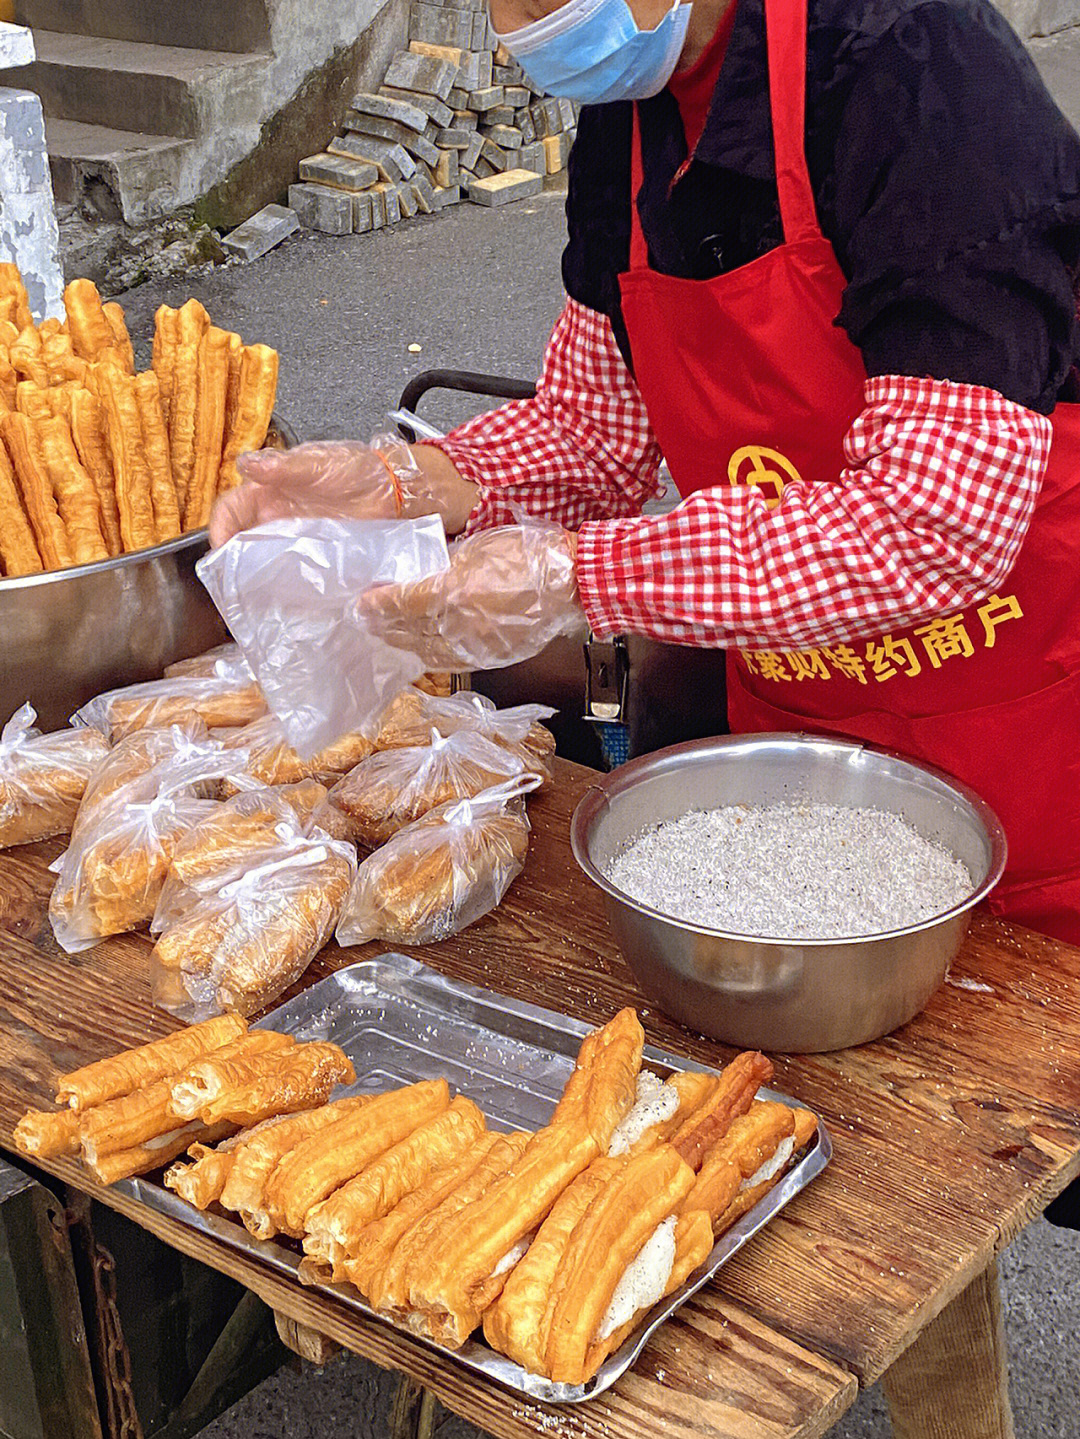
(592, 51)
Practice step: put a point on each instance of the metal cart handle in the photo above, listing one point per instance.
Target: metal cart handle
(499, 387)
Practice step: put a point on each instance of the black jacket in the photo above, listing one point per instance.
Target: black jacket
(945, 177)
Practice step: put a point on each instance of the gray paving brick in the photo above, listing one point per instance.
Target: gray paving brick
(425, 193)
(361, 214)
(471, 153)
(435, 109)
(496, 156)
(532, 157)
(338, 171)
(567, 113)
(389, 195)
(517, 95)
(407, 199)
(506, 74)
(453, 139)
(386, 107)
(392, 161)
(500, 115)
(503, 189)
(481, 100)
(446, 171)
(421, 73)
(505, 136)
(260, 232)
(378, 208)
(458, 98)
(442, 26)
(418, 145)
(320, 208)
(524, 122)
(464, 120)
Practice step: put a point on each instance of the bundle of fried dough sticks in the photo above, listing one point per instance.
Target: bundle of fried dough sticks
(140, 1109)
(97, 460)
(557, 1242)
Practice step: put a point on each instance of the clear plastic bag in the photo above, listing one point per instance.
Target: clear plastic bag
(223, 660)
(43, 777)
(236, 942)
(412, 715)
(271, 759)
(111, 876)
(441, 873)
(287, 591)
(218, 700)
(396, 786)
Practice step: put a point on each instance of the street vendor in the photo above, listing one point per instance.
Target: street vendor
(825, 266)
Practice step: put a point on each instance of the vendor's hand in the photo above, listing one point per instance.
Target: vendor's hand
(507, 594)
(343, 479)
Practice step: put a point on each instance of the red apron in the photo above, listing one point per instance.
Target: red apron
(747, 379)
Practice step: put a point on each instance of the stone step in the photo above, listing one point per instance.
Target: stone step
(120, 174)
(156, 89)
(241, 25)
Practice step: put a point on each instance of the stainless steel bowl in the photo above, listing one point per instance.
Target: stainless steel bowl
(67, 636)
(801, 996)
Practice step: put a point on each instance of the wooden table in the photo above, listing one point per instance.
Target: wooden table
(950, 1136)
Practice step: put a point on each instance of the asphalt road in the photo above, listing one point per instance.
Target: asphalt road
(479, 289)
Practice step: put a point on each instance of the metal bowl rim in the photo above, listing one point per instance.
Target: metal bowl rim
(627, 775)
(97, 567)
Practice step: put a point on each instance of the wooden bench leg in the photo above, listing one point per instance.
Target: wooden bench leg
(316, 1348)
(412, 1415)
(953, 1383)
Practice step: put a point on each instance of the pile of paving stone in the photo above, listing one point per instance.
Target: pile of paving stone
(455, 118)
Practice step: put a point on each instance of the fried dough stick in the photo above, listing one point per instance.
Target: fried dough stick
(201, 1183)
(133, 1069)
(12, 287)
(211, 1075)
(387, 1278)
(88, 432)
(36, 491)
(334, 1226)
(209, 427)
(254, 406)
(331, 1157)
(301, 1079)
(87, 322)
(191, 324)
(123, 1163)
(74, 491)
(246, 1183)
(18, 548)
(155, 439)
(371, 1251)
(131, 475)
(733, 1096)
(43, 1135)
(452, 1293)
(166, 344)
(121, 340)
(749, 1160)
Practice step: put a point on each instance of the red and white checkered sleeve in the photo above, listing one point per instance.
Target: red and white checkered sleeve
(582, 449)
(926, 518)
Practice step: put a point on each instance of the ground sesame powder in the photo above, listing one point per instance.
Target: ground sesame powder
(791, 871)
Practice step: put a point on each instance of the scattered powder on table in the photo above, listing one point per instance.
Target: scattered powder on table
(791, 871)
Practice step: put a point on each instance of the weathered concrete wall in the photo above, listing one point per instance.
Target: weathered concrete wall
(315, 95)
(1051, 31)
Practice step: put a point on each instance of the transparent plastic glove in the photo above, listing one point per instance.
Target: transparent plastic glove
(507, 593)
(342, 479)
(287, 591)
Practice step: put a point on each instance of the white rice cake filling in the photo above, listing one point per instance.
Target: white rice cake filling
(644, 1280)
(771, 1167)
(512, 1256)
(655, 1102)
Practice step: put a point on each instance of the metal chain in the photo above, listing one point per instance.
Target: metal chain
(123, 1417)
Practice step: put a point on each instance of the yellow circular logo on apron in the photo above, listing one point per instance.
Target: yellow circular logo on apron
(768, 469)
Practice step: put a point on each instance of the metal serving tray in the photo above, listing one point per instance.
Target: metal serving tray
(399, 1022)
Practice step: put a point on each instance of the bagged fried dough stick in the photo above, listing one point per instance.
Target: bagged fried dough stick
(240, 946)
(115, 867)
(220, 662)
(272, 760)
(393, 787)
(412, 716)
(43, 777)
(437, 876)
(221, 700)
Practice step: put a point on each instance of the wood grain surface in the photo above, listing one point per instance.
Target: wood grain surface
(949, 1135)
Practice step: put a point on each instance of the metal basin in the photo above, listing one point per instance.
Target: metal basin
(67, 636)
(801, 996)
